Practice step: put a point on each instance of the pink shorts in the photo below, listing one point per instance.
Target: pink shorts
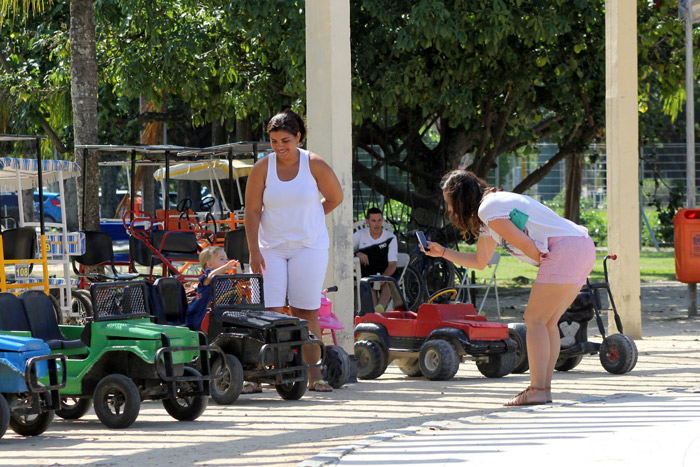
(570, 260)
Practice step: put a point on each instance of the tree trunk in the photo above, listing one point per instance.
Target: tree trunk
(574, 179)
(84, 99)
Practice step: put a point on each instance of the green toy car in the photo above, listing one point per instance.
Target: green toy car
(120, 358)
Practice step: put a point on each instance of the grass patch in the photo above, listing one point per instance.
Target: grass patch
(513, 273)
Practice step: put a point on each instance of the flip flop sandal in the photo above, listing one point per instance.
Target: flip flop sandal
(522, 398)
(321, 386)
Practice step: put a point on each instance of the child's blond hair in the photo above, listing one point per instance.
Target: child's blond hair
(208, 253)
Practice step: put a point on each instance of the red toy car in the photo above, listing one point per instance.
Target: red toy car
(431, 342)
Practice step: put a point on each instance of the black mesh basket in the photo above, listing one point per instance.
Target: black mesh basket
(240, 293)
(119, 300)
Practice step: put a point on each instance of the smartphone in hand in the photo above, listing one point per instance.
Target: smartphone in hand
(421, 239)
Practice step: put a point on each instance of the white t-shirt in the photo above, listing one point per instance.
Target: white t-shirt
(363, 239)
(534, 218)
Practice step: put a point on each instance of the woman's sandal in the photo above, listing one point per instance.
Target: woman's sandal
(250, 387)
(321, 386)
(522, 398)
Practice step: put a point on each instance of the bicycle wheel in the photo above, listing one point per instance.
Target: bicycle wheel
(412, 286)
(438, 274)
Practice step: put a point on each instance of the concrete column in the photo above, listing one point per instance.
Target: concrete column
(329, 119)
(622, 162)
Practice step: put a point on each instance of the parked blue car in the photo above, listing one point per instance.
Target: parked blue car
(52, 206)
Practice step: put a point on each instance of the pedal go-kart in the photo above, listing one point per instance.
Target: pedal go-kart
(618, 352)
(120, 358)
(27, 406)
(431, 342)
(259, 346)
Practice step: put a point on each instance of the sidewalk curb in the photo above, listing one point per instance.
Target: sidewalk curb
(333, 456)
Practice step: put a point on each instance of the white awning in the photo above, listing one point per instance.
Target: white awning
(206, 170)
(25, 172)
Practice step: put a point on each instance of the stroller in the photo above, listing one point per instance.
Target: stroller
(618, 352)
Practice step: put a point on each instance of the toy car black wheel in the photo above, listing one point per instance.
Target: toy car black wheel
(409, 366)
(117, 401)
(187, 408)
(293, 391)
(4, 415)
(568, 363)
(81, 306)
(618, 354)
(31, 425)
(438, 273)
(497, 366)
(337, 366)
(226, 389)
(73, 408)
(438, 360)
(371, 360)
(518, 332)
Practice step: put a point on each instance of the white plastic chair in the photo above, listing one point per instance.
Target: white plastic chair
(464, 288)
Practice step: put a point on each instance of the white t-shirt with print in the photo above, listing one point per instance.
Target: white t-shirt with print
(362, 239)
(534, 218)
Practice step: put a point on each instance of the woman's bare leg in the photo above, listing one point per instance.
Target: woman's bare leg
(545, 302)
(555, 339)
(312, 352)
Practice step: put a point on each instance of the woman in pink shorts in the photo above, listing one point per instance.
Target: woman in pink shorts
(532, 232)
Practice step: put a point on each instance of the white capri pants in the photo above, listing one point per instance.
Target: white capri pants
(297, 273)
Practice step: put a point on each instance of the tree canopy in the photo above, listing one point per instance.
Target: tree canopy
(435, 84)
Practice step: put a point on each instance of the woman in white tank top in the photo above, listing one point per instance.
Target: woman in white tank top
(287, 197)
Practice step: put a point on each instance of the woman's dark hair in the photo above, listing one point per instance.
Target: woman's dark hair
(465, 191)
(287, 121)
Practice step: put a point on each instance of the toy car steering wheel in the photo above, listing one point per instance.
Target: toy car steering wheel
(207, 203)
(183, 207)
(140, 216)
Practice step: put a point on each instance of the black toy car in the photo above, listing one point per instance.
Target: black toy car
(259, 346)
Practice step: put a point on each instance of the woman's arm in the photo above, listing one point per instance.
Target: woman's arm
(516, 237)
(253, 211)
(327, 182)
(478, 260)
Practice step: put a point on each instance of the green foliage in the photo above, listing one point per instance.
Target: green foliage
(398, 215)
(224, 59)
(512, 272)
(596, 221)
(36, 49)
(666, 211)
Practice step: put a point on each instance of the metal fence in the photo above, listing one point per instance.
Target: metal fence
(661, 167)
(662, 163)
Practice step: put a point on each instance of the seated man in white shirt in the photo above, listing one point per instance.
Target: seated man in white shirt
(378, 251)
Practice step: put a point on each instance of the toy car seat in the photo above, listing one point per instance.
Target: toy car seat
(176, 246)
(169, 301)
(19, 244)
(42, 320)
(12, 315)
(98, 250)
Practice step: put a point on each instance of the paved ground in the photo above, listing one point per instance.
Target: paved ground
(264, 430)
